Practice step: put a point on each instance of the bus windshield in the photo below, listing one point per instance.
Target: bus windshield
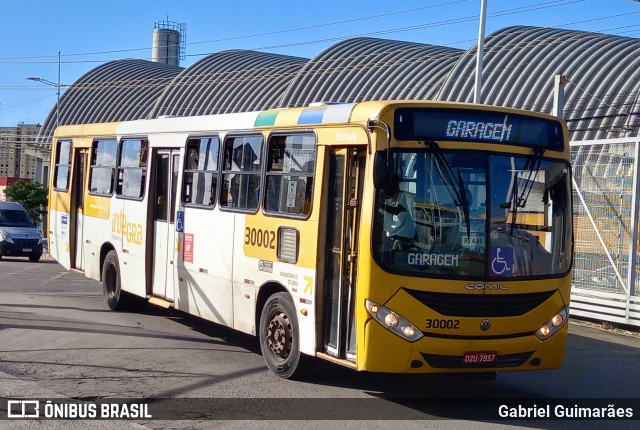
(474, 216)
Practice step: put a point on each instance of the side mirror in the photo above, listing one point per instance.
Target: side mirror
(380, 173)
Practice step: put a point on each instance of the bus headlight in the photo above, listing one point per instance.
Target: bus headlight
(393, 322)
(553, 325)
(4, 235)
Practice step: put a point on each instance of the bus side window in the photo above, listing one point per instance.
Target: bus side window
(241, 174)
(289, 176)
(63, 162)
(132, 168)
(103, 164)
(201, 171)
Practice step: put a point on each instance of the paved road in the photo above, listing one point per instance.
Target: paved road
(58, 338)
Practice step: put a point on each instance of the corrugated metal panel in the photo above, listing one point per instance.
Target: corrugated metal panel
(114, 91)
(227, 82)
(371, 69)
(601, 98)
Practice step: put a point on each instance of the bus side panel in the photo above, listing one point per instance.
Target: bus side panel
(245, 272)
(204, 265)
(130, 225)
(97, 231)
(255, 263)
(59, 218)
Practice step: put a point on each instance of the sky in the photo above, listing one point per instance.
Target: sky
(88, 34)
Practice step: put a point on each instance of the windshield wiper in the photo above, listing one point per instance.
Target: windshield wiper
(519, 200)
(464, 202)
(448, 176)
(514, 202)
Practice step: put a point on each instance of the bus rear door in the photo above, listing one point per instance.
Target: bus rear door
(80, 158)
(166, 168)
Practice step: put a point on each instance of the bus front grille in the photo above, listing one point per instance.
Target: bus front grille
(480, 305)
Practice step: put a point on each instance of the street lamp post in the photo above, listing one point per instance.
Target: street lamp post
(477, 94)
(53, 84)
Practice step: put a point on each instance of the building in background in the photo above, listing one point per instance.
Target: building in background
(17, 158)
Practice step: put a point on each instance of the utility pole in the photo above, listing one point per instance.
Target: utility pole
(559, 81)
(58, 100)
(477, 96)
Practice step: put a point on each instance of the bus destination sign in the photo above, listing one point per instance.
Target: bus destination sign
(480, 130)
(477, 126)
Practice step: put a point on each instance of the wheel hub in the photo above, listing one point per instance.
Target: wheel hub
(279, 335)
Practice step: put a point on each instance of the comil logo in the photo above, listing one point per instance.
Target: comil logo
(23, 409)
(485, 287)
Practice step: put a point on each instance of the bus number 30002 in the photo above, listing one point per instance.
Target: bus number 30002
(261, 238)
(443, 323)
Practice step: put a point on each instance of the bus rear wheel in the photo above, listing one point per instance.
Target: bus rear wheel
(111, 287)
(280, 338)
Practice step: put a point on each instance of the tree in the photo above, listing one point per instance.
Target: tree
(31, 195)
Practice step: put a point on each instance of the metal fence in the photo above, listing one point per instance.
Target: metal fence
(606, 275)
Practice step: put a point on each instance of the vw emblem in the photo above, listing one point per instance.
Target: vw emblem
(485, 325)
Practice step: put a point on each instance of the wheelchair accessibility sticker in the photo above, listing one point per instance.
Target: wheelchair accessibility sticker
(501, 258)
(180, 222)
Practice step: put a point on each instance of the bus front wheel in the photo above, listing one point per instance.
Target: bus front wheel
(280, 338)
(116, 298)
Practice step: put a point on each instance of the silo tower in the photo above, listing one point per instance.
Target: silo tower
(169, 42)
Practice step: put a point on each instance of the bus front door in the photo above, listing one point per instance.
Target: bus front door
(77, 208)
(166, 166)
(346, 173)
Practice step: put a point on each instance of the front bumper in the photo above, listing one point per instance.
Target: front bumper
(21, 248)
(387, 352)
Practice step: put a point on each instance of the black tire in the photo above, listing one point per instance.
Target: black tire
(117, 299)
(35, 257)
(280, 338)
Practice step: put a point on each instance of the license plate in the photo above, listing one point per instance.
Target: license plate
(480, 357)
(26, 250)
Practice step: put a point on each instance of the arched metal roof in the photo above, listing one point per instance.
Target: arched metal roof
(371, 69)
(228, 82)
(115, 91)
(601, 97)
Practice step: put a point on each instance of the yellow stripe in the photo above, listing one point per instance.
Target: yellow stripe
(97, 207)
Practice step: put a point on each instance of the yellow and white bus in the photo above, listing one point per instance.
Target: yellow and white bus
(394, 236)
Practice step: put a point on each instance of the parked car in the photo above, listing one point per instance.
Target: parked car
(18, 234)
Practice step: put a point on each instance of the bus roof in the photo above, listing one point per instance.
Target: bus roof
(286, 117)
